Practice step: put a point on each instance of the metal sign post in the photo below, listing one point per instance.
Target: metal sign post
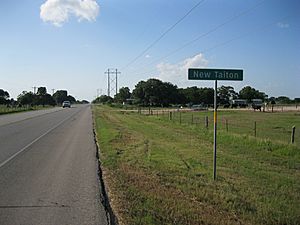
(215, 129)
(215, 74)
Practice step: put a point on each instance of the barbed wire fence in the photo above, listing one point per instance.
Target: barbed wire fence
(286, 134)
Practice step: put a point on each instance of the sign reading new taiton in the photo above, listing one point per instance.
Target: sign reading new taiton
(215, 74)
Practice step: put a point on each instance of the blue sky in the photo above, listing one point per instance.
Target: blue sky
(72, 51)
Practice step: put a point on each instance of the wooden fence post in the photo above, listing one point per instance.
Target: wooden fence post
(180, 118)
(206, 122)
(192, 118)
(293, 134)
(170, 115)
(254, 128)
(226, 124)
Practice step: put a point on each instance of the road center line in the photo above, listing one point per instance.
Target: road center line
(35, 140)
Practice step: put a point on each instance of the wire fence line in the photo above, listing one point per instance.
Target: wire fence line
(284, 131)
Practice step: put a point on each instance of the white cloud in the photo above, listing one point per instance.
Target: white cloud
(58, 11)
(177, 73)
(283, 25)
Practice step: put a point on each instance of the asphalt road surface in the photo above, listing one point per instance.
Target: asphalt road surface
(48, 169)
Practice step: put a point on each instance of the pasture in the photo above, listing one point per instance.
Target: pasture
(7, 110)
(158, 170)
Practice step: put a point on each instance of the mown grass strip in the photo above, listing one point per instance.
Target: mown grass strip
(8, 110)
(160, 172)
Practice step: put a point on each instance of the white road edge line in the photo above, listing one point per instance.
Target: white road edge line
(35, 140)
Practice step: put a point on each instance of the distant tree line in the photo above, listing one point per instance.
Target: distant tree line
(154, 92)
(41, 97)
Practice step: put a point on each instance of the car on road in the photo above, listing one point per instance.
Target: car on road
(66, 104)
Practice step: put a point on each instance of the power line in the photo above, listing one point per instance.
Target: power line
(163, 34)
(259, 29)
(207, 33)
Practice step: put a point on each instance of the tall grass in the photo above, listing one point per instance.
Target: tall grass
(160, 172)
(7, 110)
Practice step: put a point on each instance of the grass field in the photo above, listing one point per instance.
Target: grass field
(160, 172)
(276, 127)
(8, 110)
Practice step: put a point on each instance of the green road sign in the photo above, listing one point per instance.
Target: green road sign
(215, 74)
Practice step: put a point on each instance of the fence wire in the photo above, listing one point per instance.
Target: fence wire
(277, 131)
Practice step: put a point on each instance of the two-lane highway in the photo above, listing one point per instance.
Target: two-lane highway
(48, 169)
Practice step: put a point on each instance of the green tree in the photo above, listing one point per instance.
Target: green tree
(225, 94)
(42, 91)
(103, 99)
(71, 99)
(272, 100)
(27, 98)
(250, 93)
(155, 92)
(60, 96)
(206, 96)
(296, 100)
(43, 98)
(195, 95)
(124, 93)
(139, 93)
(191, 95)
(48, 100)
(4, 97)
(182, 99)
(283, 100)
(170, 94)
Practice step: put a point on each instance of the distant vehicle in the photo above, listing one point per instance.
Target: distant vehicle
(199, 107)
(241, 103)
(257, 104)
(226, 105)
(66, 104)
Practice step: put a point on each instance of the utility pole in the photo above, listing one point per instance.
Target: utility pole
(108, 82)
(111, 80)
(34, 89)
(117, 80)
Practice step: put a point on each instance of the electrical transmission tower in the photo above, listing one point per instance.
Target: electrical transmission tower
(112, 81)
(34, 89)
